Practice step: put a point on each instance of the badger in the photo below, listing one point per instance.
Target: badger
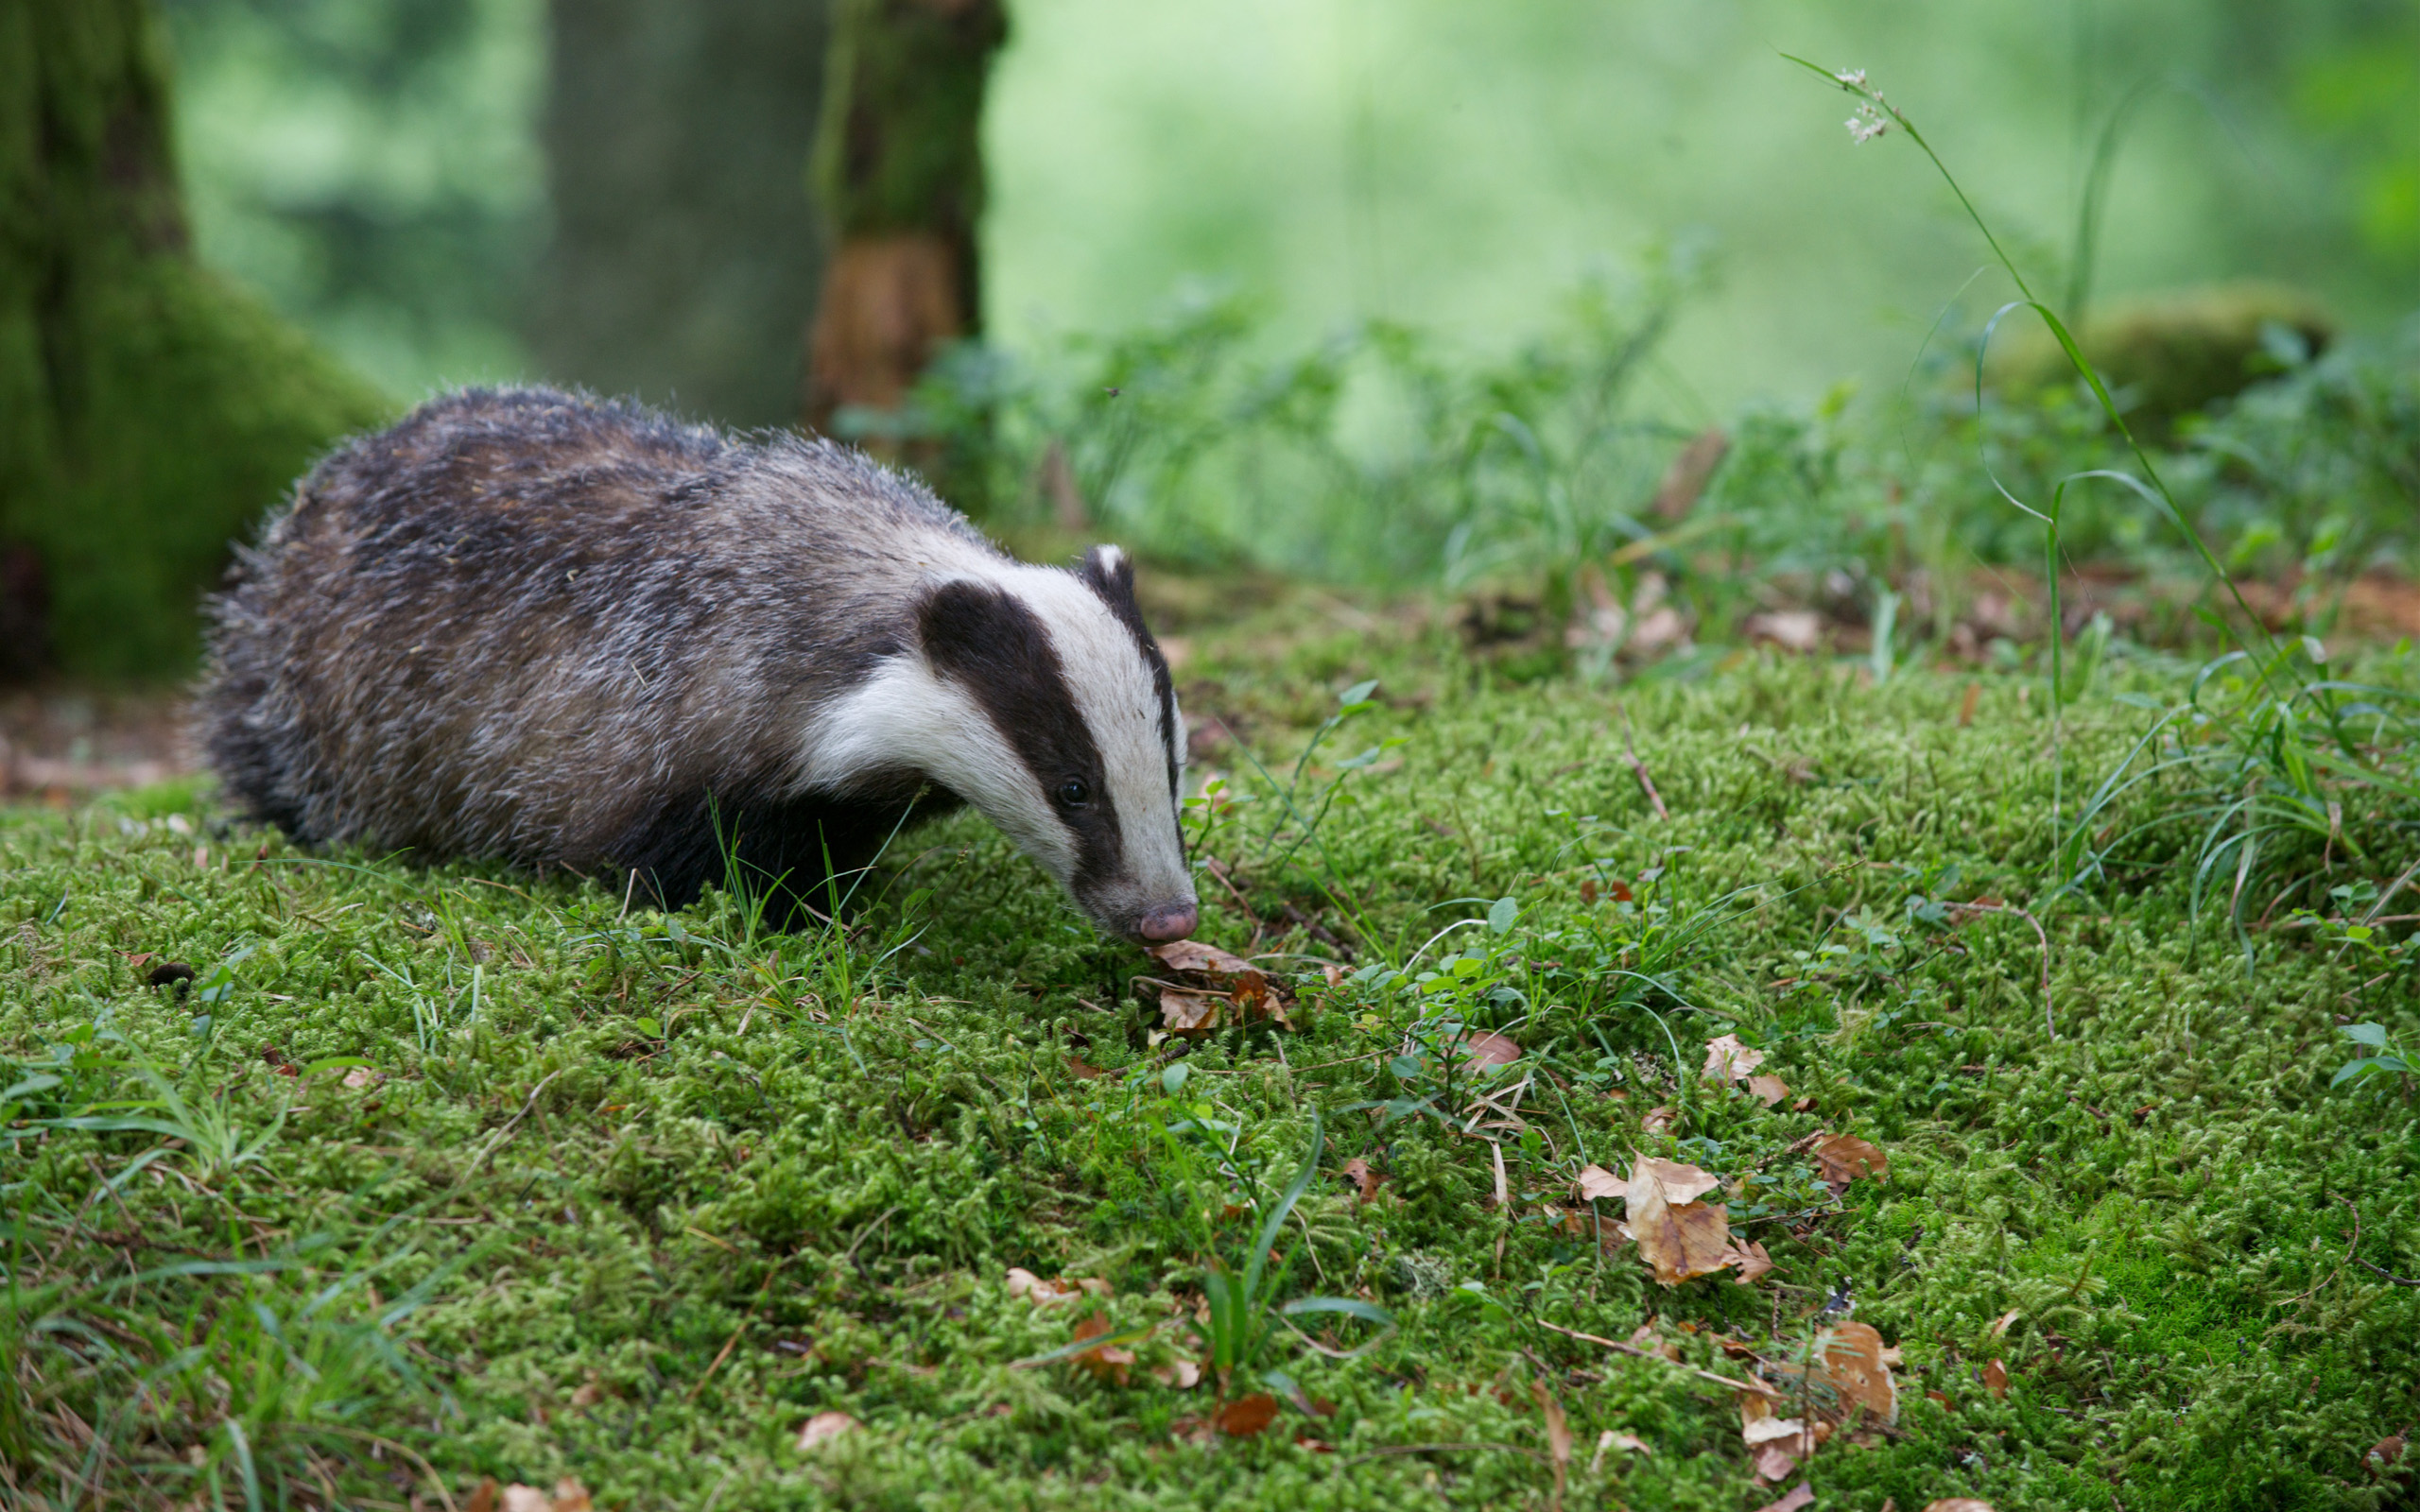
(530, 626)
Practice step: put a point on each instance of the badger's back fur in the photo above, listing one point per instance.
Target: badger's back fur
(525, 625)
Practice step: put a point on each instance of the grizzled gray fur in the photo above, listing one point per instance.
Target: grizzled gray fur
(529, 625)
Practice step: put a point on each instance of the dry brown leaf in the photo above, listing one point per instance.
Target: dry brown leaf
(1803, 1494)
(1768, 1091)
(1658, 1121)
(590, 1392)
(1597, 1184)
(1365, 1182)
(1957, 1503)
(1728, 1060)
(1843, 1157)
(519, 1498)
(1752, 1260)
(1805, 1105)
(2000, 1324)
(1946, 1406)
(1178, 1375)
(1771, 1429)
(483, 1498)
(1774, 1462)
(360, 1076)
(1246, 1415)
(570, 1496)
(1613, 1438)
(1645, 1337)
(1681, 1184)
(1082, 1071)
(1677, 1240)
(1558, 1426)
(1490, 1049)
(824, 1427)
(1851, 1356)
(1195, 958)
(1188, 1014)
(1106, 1363)
(1995, 1380)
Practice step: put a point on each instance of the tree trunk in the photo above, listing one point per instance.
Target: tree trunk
(148, 412)
(899, 172)
(687, 251)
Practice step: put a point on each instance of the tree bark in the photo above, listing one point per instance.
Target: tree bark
(148, 412)
(687, 251)
(899, 173)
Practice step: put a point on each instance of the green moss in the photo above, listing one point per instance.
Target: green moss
(199, 410)
(638, 1196)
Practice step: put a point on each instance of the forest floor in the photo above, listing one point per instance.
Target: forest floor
(407, 1180)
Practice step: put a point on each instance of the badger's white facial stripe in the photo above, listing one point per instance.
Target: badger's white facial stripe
(906, 715)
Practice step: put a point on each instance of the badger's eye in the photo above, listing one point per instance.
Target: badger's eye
(1073, 792)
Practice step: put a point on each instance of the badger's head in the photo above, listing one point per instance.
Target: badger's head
(1052, 712)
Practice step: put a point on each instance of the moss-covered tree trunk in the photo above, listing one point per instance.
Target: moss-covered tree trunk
(899, 174)
(148, 414)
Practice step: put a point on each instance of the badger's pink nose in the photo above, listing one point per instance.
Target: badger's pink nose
(1163, 924)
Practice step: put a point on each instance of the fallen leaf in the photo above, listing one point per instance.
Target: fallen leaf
(1194, 958)
(1752, 1260)
(1843, 1157)
(1611, 1438)
(824, 1427)
(570, 1496)
(1805, 1105)
(2000, 1325)
(1658, 1121)
(1246, 1415)
(589, 1394)
(1490, 1049)
(1793, 630)
(1768, 1091)
(519, 1498)
(1852, 1357)
(1365, 1182)
(1178, 1375)
(1107, 1363)
(1946, 1406)
(1803, 1494)
(1645, 1337)
(1558, 1426)
(1995, 1380)
(1768, 1430)
(1187, 1013)
(1677, 1240)
(1957, 1503)
(1597, 1184)
(2385, 1453)
(1774, 1462)
(1728, 1060)
(1681, 1184)
(483, 1499)
(1082, 1072)
(360, 1076)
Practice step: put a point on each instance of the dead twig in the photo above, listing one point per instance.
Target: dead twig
(1636, 1353)
(1638, 768)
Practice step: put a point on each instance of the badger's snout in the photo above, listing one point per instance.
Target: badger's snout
(1166, 922)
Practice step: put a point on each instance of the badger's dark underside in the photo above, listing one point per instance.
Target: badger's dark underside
(800, 854)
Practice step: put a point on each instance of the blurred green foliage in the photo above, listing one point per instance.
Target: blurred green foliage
(373, 168)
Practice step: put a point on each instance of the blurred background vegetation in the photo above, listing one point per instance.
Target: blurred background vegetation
(1418, 293)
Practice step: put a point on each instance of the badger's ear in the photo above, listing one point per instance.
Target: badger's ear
(1110, 574)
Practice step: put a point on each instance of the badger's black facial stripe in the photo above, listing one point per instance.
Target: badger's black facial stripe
(1114, 585)
(988, 643)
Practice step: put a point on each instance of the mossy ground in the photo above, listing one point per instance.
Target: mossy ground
(639, 1196)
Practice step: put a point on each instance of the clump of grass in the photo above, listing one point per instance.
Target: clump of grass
(2267, 753)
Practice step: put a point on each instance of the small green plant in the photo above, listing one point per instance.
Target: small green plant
(2386, 1060)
